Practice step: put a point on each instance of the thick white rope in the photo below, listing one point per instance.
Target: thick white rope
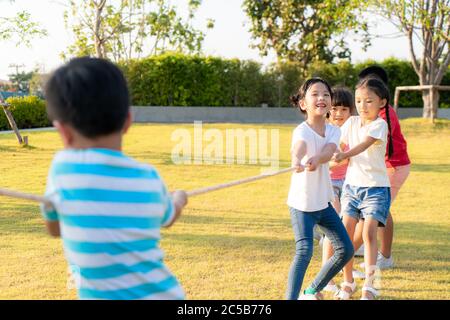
(25, 196)
(236, 182)
(36, 198)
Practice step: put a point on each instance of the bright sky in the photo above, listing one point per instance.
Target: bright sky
(229, 38)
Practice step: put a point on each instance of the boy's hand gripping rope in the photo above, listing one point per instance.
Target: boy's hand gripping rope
(36, 198)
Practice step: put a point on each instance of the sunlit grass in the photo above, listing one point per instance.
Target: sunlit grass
(236, 243)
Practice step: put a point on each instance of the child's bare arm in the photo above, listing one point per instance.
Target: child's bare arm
(334, 164)
(323, 157)
(53, 228)
(50, 215)
(179, 201)
(298, 152)
(340, 156)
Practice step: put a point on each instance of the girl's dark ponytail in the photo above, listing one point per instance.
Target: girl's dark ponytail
(295, 99)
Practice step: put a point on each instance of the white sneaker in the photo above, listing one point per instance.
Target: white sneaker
(309, 296)
(331, 288)
(358, 274)
(343, 294)
(385, 263)
(382, 262)
(360, 251)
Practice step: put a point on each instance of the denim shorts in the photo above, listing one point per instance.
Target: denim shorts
(362, 202)
(337, 187)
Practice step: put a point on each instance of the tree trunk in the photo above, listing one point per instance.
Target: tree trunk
(98, 32)
(13, 124)
(430, 107)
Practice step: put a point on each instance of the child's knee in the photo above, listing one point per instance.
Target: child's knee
(370, 235)
(349, 252)
(345, 252)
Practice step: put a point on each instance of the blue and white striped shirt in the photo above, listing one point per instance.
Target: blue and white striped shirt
(111, 209)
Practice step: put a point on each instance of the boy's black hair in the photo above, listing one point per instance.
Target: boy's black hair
(90, 94)
(376, 71)
(380, 89)
(295, 99)
(343, 97)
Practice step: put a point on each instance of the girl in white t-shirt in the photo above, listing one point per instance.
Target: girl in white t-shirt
(366, 193)
(311, 193)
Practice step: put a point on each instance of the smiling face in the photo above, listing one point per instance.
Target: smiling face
(317, 101)
(339, 114)
(368, 104)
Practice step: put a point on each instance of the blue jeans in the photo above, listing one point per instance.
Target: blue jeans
(303, 224)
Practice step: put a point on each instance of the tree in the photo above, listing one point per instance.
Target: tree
(37, 83)
(429, 22)
(126, 29)
(304, 31)
(20, 28)
(21, 81)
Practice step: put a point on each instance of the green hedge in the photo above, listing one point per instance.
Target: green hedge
(174, 79)
(28, 112)
(179, 80)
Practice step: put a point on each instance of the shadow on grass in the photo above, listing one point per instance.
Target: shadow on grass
(149, 156)
(391, 294)
(421, 247)
(423, 232)
(441, 167)
(424, 248)
(232, 244)
(248, 222)
(428, 250)
(22, 148)
(229, 238)
(20, 218)
(29, 147)
(10, 149)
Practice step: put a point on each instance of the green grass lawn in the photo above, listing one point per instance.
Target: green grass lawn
(235, 243)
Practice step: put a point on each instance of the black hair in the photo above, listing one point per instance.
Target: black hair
(90, 94)
(380, 89)
(374, 71)
(295, 99)
(343, 97)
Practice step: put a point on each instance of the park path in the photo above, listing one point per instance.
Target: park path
(29, 130)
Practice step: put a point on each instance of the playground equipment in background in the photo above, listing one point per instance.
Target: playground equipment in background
(12, 122)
